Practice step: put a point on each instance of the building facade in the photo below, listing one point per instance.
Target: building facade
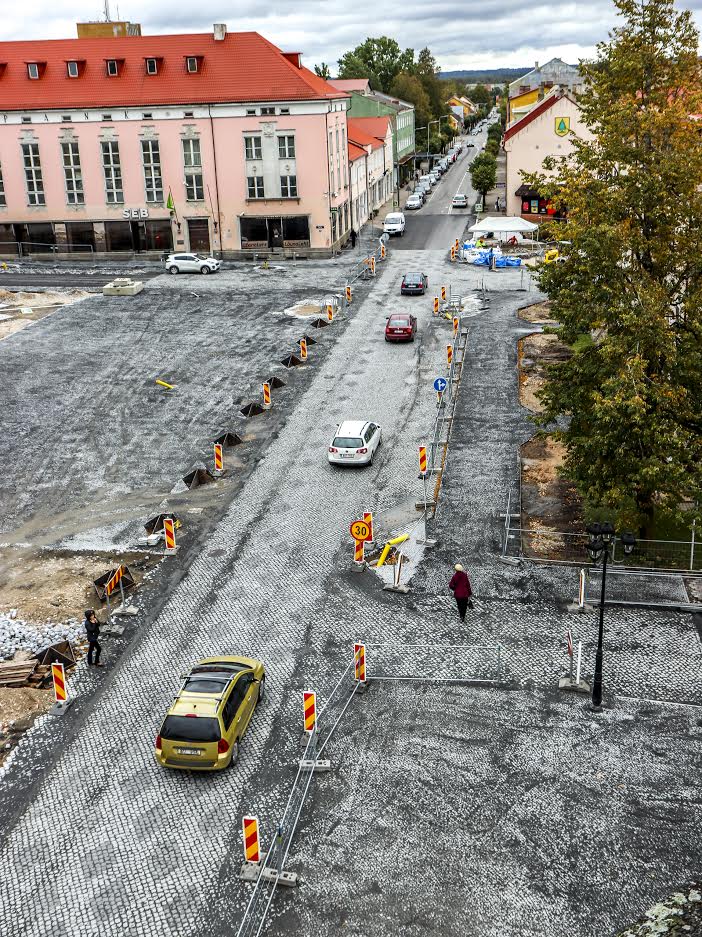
(211, 142)
(547, 129)
(531, 88)
(374, 135)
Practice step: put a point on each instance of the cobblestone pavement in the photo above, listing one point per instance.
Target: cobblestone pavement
(451, 809)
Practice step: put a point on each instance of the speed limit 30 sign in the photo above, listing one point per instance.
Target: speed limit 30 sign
(360, 530)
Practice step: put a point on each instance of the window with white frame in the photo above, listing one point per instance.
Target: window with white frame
(153, 183)
(2, 189)
(114, 191)
(72, 173)
(267, 111)
(32, 174)
(32, 70)
(252, 147)
(72, 69)
(192, 161)
(288, 186)
(286, 147)
(112, 68)
(255, 186)
(191, 63)
(152, 66)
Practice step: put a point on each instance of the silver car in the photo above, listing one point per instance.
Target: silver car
(191, 263)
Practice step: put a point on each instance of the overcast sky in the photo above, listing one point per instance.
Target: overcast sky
(460, 34)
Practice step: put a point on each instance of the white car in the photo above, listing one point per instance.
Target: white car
(434, 176)
(414, 202)
(354, 443)
(191, 263)
(394, 223)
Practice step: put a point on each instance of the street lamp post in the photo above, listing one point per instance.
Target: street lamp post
(601, 538)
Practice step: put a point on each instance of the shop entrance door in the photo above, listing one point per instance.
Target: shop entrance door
(199, 235)
(275, 232)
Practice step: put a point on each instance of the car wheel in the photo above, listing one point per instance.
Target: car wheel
(235, 754)
(204, 270)
(173, 269)
(261, 690)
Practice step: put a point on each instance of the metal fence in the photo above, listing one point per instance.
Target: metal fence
(328, 718)
(542, 544)
(22, 248)
(435, 663)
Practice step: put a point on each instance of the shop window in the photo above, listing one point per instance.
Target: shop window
(254, 233)
(158, 235)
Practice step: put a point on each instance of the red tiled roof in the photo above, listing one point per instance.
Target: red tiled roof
(242, 67)
(355, 152)
(360, 136)
(374, 126)
(535, 112)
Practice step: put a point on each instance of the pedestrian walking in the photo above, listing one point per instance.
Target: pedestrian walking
(353, 238)
(462, 592)
(497, 204)
(92, 630)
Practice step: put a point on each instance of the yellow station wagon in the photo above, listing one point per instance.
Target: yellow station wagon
(209, 716)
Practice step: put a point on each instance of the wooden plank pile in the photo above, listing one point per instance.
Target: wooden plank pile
(34, 670)
(17, 673)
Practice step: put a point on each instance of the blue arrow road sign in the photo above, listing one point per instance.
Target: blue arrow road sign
(440, 384)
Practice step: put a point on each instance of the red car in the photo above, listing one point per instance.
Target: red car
(400, 327)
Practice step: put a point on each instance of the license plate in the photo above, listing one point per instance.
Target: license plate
(189, 751)
(398, 331)
(347, 455)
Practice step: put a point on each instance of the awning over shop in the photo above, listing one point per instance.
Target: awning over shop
(500, 224)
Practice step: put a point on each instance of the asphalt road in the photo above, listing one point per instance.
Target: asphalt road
(436, 225)
(80, 281)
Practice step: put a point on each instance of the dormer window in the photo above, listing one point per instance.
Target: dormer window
(112, 66)
(33, 70)
(192, 63)
(151, 66)
(72, 69)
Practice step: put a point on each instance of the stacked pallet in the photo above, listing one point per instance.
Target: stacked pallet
(17, 673)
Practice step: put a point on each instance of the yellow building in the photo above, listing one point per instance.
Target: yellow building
(107, 29)
(468, 106)
(521, 103)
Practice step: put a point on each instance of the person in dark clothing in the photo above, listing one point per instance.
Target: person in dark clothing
(462, 592)
(92, 630)
(353, 238)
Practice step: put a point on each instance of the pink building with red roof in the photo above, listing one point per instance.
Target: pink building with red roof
(208, 142)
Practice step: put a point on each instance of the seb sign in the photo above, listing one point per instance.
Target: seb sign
(135, 213)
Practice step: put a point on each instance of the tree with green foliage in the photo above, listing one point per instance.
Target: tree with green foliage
(323, 71)
(632, 280)
(494, 133)
(492, 147)
(483, 173)
(409, 88)
(480, 95)
(379, 60)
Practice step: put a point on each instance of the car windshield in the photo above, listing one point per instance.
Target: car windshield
(413, 279)
(347, 442)
(399, 320)
(214, 685)
(393, 219)
(190, 729)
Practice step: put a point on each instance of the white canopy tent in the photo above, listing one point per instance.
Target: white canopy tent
(503, 224)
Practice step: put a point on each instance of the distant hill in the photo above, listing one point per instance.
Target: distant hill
(488, 76)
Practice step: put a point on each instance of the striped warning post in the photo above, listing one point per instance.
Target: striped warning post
(358, 548)
(455, 245)
(436, 305)
(359, 661)
(303, 349)
(449, 354)
(382, 252)
(114, 581)
(252, 844)
(169, 533)
(453, 252)
(59, 677)
(423, 460)
(349, 295)
(372, 265)
(368, 518)
(443, 292)
(330, 312)
(309, 701)
(266, 394)
(456, 326)
(218, 457)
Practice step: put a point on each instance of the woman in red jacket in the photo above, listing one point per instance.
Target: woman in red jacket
(462, 592)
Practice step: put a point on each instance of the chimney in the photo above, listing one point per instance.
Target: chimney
(220, 30)
(536, 64)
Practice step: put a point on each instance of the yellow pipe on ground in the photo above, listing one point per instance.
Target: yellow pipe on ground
(164, 384)
(386, 548)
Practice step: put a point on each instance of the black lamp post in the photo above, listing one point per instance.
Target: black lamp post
(601, 539)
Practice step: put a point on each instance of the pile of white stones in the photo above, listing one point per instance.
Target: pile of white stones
(16, 634)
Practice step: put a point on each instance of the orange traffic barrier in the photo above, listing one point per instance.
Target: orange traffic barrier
(456, 325)
(349, 295)
(114, 581)
(359, 659)
(443, 292)
(169, 533)
(266, 394)
(455, 245)
(252, 844)
(358, 551)
(59, 677)
(423, 460)
(453, 252)
(382, 252)
(303, 349)
(368, 518)
(309, 700)
(218, 457)
(449, 354)
(330, 313)
(372, 265)
(436, 305)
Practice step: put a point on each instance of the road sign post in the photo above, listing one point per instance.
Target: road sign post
(303, 349)
(266, 395)
(169, 534)
(309, 701)
(218, 458)
(359, 657)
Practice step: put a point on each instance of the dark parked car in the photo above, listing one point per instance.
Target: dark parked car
(400, 327)
(414, 284)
